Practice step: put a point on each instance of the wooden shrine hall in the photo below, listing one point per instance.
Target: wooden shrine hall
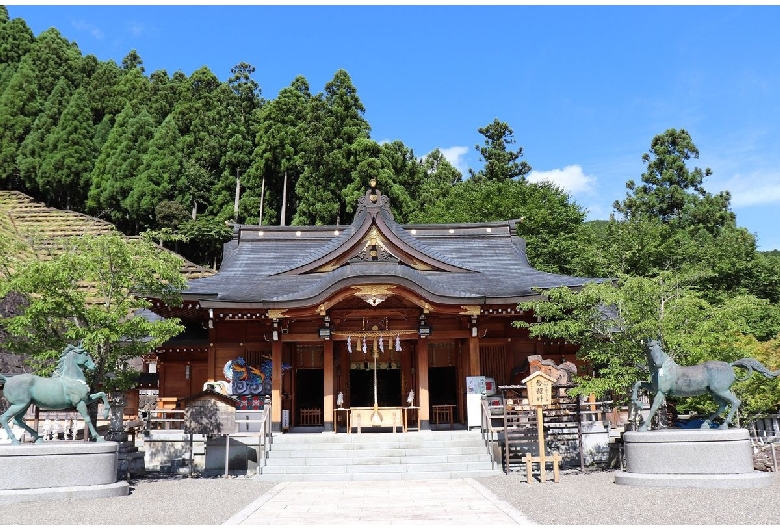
(355, 317)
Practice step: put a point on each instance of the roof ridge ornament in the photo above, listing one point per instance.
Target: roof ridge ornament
(373, 201)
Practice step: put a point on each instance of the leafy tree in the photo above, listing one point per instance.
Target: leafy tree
(164, 93)
(336, 124)
(205, 236)
(49, 59)
(161, 167)
(500, 163)
(407, 176)
(439, 177)
(244, 106)
(92, 292)
(133, 88)
(673, 193)
(278, 159)
(115, 170)
(70, 155)
(19, 104)
(105, 101)
(171, 214)
(33, 148)
(547, 218)
(202, 115)
(611, 320)
(133, 61)
(16, 39)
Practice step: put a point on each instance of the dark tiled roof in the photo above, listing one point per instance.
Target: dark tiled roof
(492, 263)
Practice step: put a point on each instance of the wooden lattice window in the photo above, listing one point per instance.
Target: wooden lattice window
(255, 357)
(492, 363)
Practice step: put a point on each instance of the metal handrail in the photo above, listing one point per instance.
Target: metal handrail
(489, 433)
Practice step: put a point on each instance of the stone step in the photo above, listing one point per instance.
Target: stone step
(350, 459)
(390, 452)
(428, 475)
(378, 456)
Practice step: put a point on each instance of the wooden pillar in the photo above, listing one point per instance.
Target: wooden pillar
(422, 382)
(161, 381)
(474, 363)
(211, 366)
(327, 409)
(276, 386)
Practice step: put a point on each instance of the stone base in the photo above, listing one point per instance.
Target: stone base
(756, 479)
(59, 470)
(690, 458)
(67, 493)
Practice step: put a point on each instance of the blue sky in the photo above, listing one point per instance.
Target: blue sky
(584, 88)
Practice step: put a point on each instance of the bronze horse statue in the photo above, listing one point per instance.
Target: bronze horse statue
(67, 388)
(667, 378)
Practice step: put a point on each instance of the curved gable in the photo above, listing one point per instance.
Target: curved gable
(375, 237)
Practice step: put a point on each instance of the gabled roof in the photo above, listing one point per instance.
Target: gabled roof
(464, 263)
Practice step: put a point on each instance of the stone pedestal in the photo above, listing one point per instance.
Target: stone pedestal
(131, 461)
(59, 471)
(690, 458)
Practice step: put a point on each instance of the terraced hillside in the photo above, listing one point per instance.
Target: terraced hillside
(38, 228)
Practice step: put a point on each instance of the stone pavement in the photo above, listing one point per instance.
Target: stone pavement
(395, 502)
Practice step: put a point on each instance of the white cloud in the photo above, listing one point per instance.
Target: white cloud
(136, 29)
(571, 179)
(455, 156)
(93, 30)
(752, 190)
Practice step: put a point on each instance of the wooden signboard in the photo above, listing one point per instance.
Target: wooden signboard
(539, 386)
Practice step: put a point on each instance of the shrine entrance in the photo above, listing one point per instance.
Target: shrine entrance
(309, 388)
(443, 385)
(388, 381)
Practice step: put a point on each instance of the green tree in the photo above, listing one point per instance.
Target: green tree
(278, 159)
(244, 106)
(500, 163)
(162, 166)
(33, 150)
(610, 321)
(202, 114)
(439, 177)
(16, 38)
(133, 61)
(49, 59)
(547, 218)
(204, 238)
(116, 168)
(336, 123)
(673, 193)
(70, 155)
(93, 292)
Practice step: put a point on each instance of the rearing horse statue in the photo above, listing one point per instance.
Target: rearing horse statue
(667, 378)
(65, 389)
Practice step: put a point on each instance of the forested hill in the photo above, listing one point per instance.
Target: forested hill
(186, 156)
(152, 150)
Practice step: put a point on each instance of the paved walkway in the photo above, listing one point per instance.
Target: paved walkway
(396, 502)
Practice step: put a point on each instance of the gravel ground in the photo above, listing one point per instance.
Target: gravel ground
(153, 499)
(578, 499)
(594, 498)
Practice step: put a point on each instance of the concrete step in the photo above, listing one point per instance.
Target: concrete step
(378, 456)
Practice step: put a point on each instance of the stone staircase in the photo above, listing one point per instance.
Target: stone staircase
(378, 456)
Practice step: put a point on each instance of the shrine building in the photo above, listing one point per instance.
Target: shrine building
(360, 315)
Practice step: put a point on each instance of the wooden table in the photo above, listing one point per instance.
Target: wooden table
(360, 417)
(443, 414)
(417, 415)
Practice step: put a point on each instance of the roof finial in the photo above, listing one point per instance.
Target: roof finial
(373, 196)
